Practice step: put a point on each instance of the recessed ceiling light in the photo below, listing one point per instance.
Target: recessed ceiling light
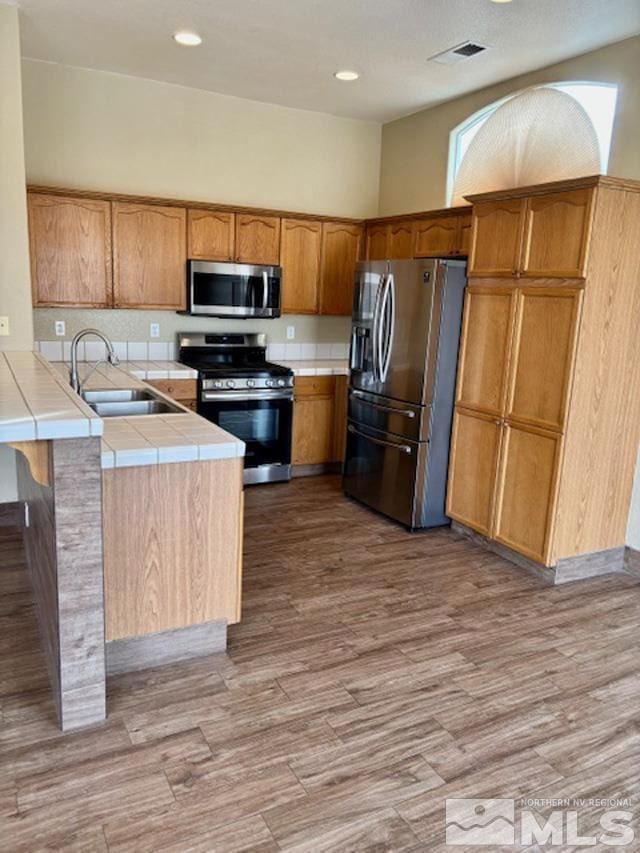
(346, 76)
(188, 39)
(502, 1)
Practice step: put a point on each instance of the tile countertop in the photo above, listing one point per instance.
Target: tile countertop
(318, 367)
(153, 439)
(37, 404)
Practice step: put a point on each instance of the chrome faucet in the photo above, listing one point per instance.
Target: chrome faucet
(112, 358)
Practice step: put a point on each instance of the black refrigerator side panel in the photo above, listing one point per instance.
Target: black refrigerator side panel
(435, 481)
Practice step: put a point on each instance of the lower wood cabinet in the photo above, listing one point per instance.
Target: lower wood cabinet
(319, 420)
(184, 391)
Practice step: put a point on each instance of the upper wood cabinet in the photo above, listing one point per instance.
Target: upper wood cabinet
(300, 259)
(257, 239)
(149, 256)
(340, 253)
(464, 234)
(400, 240)
(546, 328)
(210, 235)
(496, 238)
(556, 234)
(377, 237)
(485, 346)
(436, 237)
(70, 242)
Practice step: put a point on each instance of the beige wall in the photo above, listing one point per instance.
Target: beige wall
(15, 290)
(415, 150)
(106, 131)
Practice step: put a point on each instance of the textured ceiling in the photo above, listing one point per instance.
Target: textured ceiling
(285, 51)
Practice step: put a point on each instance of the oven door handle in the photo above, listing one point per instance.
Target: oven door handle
(218, 396)
(403, 448)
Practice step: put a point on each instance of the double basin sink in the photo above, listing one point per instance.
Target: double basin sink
(128, 402)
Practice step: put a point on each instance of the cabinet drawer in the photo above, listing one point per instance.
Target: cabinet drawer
(179, 389)
(314, 386)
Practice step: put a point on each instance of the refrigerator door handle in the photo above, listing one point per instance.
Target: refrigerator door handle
(403, 448)
(389, 312)
(377, 329)
(407, 413)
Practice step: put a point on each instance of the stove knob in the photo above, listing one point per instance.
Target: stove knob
(251, 383)
(217, 383)
(231, 383)
(269, 383)
(281, 383)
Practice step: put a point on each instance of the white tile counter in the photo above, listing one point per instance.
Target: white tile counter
(154, 439)
(36, 403)
(318, 367)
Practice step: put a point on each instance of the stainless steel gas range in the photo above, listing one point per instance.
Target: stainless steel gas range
(246, 395)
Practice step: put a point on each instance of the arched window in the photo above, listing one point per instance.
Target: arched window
(539, 134)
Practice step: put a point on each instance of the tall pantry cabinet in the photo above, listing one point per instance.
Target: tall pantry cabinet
(547, 417)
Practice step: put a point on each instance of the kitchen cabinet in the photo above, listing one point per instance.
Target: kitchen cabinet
(149, 256)
(211, 235)
(436, 238)
(340, 253)
(184, 391)
(257, 239)
(70, 243)
(543, 236)
(393, 240)
(556, 234)
(300, 259)
(319, 420)
(547, 417)
(377, 237)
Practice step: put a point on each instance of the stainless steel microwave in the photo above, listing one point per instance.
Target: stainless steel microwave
(217, 289)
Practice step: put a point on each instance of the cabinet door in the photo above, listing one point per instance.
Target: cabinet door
(211, 235)
(464, 234)
(300, 259)
(543, 355)
(526, 491)
(257, 239)
(70, 240)
(313, 431)
(149, 256)
(340, 252)
(436, 237)
(556, 234)
(401, 240)
(485, 348)
(496, 238)
(377, 242)
(475, 449)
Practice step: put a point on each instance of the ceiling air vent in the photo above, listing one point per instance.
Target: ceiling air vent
(458, 53)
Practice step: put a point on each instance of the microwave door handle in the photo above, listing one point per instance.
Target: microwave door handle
(265, 289)
(403, 448)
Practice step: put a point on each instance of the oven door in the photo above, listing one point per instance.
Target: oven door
(233, 290)
(263, 422)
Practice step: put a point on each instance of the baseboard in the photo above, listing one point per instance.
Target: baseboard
(134, 653)
(11, 514)
(632, 561)
(315, 470)
(566, 570)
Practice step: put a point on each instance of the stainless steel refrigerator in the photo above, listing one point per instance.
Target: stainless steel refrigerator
(403, 362)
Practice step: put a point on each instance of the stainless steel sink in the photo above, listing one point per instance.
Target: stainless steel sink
(128, 402)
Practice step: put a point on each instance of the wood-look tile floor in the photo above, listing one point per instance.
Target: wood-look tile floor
(374, 674)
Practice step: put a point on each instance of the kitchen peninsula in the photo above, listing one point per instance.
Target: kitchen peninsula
(132, 528)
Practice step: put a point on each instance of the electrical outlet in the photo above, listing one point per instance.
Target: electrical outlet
(154, 330)
(4, 325)
(291, 332)
(61, 328)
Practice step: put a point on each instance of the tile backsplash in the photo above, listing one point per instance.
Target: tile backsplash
(166, 350)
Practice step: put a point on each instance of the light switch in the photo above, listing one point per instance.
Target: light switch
(61, 328)
(4, 325)
(154, 330)
(291, 332)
